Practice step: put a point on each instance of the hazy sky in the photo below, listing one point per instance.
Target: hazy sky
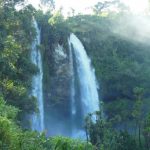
(84, 5)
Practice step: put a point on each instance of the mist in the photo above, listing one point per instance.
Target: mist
(135, 28)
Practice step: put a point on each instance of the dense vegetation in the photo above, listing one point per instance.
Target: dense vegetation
(122, 69)
(16, 70)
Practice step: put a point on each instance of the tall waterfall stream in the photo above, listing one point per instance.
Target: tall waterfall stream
(84, 94)
(37, 86)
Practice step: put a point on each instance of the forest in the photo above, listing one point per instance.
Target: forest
(117, 43)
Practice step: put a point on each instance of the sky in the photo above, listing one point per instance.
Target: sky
(83, 6)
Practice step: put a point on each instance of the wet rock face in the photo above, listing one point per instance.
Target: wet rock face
(60, 82)
(57, 94)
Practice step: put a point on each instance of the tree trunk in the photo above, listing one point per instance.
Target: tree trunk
(140, 144)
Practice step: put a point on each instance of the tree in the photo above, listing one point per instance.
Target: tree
(137, 111)
(15, 44)
(146, 131)
(101, 6)
(49, 3)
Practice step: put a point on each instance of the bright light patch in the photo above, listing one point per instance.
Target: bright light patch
(35, 3)
(137, 6)
(84, 6)
(80, 6)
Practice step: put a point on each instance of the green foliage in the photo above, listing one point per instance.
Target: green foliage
(124, 141)
(119, 111)
(103, 136)
(8, 130)
(146, 131)
(59, 27)
(56, 19)
(60, 143)
(15, 44)
(8, 134)
(9, 112)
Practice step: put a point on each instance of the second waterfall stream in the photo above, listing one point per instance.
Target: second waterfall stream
(37, 86)
(84, 89)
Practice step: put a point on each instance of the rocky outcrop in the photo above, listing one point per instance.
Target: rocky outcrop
(57, 91)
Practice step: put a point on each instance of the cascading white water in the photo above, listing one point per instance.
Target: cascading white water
(73, 109)
(89, 100)
(37, 89)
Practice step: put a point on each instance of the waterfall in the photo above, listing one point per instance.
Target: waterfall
(37, 89)
(73, 109)
(84, 94)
